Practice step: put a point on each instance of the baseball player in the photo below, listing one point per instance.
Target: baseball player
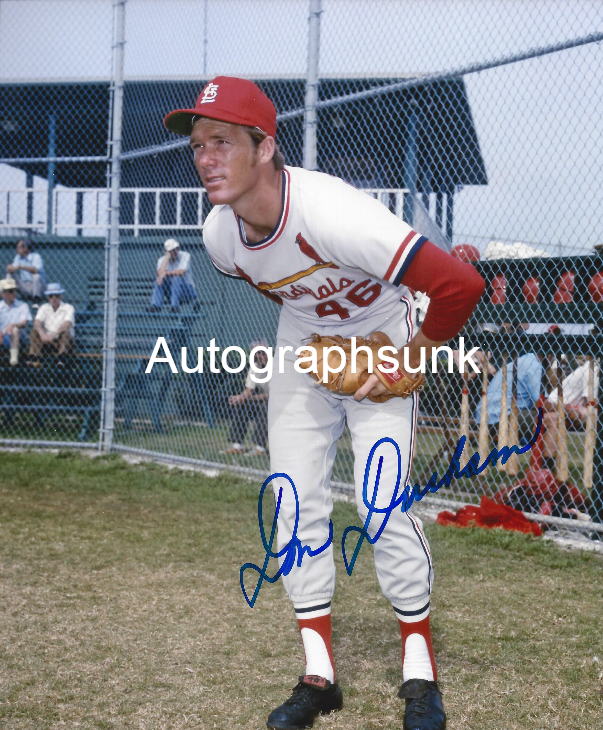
(339, 263)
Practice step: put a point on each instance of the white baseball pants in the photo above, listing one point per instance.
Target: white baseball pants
(305, 422)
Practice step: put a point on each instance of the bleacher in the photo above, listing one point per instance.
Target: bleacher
(34, 394)
(142, 401)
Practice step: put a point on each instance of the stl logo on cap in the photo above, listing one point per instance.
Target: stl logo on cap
(209, 94)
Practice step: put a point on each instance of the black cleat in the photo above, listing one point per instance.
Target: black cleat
(312, 696)
(424, 710)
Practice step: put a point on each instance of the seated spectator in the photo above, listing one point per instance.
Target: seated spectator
(174, 278)
(529, 375)
(52, 332)
(251, 404)
(27, 269)
(14, 316)
(575, 401)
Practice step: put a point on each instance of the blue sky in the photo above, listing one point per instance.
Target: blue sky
(538, 121)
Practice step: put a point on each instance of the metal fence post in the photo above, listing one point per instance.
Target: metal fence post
(50, 176)
(312, 85)
(112, 268)
(410, 163)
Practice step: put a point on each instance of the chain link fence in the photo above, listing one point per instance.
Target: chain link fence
(478, 123)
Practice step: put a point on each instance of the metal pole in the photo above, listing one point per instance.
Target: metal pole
(450, 214)
(596, 493)
(444, 75)
(29, 180)
(312, 85)
(205, 39)
(439, 209)
(52, 137)
(410, 163)
(377, 91)
(113, 248)
(48, 160)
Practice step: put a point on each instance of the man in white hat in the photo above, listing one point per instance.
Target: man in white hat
(14, 316)
(53, 330)
(174, 278)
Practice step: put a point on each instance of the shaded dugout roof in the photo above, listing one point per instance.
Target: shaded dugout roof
(365, 141)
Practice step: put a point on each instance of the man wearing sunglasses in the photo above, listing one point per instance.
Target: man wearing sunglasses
(14, 317)
(52, 332)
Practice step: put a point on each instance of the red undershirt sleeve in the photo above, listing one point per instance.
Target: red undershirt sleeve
(453, 287)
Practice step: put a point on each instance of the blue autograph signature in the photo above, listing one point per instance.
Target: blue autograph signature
(294, 551)
(412, 494)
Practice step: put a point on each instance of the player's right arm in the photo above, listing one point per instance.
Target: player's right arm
(454, 289)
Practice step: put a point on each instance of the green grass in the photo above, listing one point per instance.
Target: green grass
(204, 442)
(121, 608)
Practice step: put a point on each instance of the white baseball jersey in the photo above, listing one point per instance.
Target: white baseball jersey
(575, 386)
(335, 258)
(52, 320)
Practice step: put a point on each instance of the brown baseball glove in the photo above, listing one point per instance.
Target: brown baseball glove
(346, 382)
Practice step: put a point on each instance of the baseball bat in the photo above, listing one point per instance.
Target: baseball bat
(484, 436)
(562, 465)
(464, 426)
(503, 424)
(591, 426)
(513, 463)
(536, 457)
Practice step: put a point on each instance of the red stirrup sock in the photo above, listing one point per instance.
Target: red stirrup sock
(417, 652)
(315, 628)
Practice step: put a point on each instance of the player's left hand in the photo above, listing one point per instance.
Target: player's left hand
(372, 387)
(380, 385)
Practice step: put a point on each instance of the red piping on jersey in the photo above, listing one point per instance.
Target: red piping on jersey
(454, 289)
(281, 225)
(398, 255)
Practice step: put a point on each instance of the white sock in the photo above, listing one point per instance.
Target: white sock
(318, 662)
(417, 662)
(14, 355)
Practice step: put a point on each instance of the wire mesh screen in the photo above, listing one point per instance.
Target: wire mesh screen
(478, 123)
(55, 107)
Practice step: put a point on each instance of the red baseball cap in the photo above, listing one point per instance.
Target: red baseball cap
(227, 99)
